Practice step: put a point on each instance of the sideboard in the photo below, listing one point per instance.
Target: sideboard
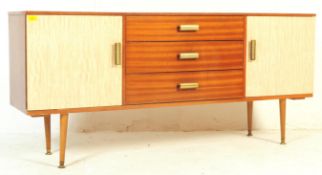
(69, 62)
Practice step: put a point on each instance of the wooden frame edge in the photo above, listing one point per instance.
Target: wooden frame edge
(124, 59)
(22, 108)
(36, 113)
(245, 53)
(26, 62)
(17, 13)
(161, 13)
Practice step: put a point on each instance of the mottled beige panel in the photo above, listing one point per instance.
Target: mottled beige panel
(71, 62)
(17, 61)
(284, 56)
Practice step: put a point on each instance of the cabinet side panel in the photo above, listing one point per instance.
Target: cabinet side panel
(284, 56)
(17, 61)
(70, 61)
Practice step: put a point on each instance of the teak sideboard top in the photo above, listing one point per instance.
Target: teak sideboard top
(159, 13)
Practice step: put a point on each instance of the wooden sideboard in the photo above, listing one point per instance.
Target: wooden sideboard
(68, 62)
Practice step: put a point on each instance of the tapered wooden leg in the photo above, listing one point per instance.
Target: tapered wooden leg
(63, 137)
(249, 117)
(47, 133)
(283, 118)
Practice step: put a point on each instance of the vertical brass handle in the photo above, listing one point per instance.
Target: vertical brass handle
(117, 53)
(253, 50)
(189, 28)
(188, 56)
(186, 86)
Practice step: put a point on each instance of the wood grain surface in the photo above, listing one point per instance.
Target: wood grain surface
(163, 87)
(165, 28)
(148, 57)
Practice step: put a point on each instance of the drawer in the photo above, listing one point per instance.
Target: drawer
(148, 57)
(184, 28)
(165, 87)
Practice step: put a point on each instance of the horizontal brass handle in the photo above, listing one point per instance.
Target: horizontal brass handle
(189, 28)
(253, 50)
(117, 53)
(189, 56)
(185, 86)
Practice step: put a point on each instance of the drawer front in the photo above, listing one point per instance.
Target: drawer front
(148, 57)
(184, 28)
(185, 86)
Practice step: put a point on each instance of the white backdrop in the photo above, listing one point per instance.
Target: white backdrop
(302, 114)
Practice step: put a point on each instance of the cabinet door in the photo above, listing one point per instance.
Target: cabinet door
(70, 61)
(284, 56)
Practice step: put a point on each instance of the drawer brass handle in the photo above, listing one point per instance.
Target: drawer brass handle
(185, 86)
(117, 53)
(189, 28)
(189, 56)
(253, 50)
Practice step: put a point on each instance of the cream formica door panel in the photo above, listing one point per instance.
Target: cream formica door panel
(284, 56)
(70, 61)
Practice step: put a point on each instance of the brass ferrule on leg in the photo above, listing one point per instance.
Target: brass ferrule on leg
(61, 164)
(283, 141)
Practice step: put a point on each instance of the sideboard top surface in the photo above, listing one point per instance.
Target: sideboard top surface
(158, 13)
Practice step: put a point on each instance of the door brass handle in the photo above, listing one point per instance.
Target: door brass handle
(189, 28)
(188, 56)
(117, 53)
(186, 86)
(253, 50)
